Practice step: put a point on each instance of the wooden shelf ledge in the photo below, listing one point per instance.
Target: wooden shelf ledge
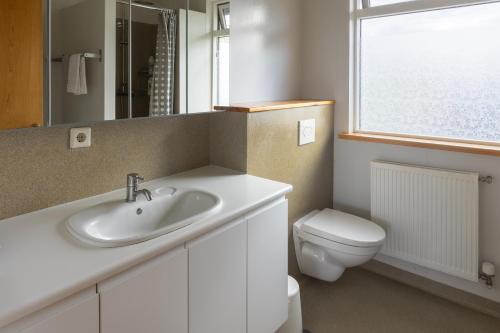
(271, 105)
(461, 147)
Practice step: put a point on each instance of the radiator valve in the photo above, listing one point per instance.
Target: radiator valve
(487, 273)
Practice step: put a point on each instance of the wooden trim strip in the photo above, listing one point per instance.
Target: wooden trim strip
(271, 105)
(431, 138)
(461, 147)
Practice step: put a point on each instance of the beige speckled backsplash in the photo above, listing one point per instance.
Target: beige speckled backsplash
(265, 144)
(38, 170)
(273, 153)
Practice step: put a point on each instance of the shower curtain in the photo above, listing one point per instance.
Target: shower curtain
(163, 80)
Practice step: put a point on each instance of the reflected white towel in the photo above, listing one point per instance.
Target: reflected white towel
(77, 79)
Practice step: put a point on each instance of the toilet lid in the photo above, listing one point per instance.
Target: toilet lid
(344, 228)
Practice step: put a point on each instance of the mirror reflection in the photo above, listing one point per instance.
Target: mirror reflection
(173, 58)
(157, 29)
(137, 71)
(208, 34)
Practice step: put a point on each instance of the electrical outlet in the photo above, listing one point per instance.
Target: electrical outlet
(80, 137)
(307, 131)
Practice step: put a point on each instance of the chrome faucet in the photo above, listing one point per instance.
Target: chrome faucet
(133, 191)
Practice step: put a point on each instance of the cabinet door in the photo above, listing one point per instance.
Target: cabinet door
(268, 268)
(150, 298)
(217, 281)
(76, 314)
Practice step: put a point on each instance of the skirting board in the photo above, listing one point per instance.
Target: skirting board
(451, 294)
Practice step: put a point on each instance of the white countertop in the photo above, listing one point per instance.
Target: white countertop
(41, 263)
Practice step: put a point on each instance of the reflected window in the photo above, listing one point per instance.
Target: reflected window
(220, 85)
(375, 3)
(223, 16)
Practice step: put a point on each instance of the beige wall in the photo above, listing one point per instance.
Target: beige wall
(270, 140)
(38, 170)
(228, 140)
(273, 153)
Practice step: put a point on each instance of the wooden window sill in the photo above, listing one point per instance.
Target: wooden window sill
(271, 106)
(461, 147)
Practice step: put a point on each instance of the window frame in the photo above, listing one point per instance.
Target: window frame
(221, 6)
(361, 9)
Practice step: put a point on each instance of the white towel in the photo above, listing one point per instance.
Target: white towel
(77, 79)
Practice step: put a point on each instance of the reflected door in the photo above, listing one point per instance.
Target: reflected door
(21, 63)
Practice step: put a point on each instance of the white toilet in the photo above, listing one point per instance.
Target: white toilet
(328, 241)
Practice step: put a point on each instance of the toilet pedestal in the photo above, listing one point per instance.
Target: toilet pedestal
(294, 322)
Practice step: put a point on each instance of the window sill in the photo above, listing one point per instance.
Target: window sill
(271, 106)
(461, 147)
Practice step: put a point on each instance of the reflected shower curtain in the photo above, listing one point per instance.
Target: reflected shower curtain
(163, 80)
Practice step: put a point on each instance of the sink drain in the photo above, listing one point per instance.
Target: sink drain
(139, 211)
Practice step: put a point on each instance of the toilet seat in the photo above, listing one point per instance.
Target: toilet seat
(335, 246)
(344, 228)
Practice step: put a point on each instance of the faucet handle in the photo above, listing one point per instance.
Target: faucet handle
(133, 179)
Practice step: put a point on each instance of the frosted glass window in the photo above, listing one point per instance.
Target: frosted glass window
(433, 73)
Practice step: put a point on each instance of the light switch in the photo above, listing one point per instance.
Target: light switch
(80, 137)
(307, 131)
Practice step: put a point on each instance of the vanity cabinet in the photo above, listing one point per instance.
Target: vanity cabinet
(231, 280)
(76, 314)
(268, 268)
(152, 297)
(238, 275)
(217, 280)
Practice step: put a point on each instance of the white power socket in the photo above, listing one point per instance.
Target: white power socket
(307, 131)
(80, 137)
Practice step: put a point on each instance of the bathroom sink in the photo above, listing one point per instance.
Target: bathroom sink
(120, 223)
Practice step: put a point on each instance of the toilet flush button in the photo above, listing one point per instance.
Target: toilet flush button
(307, 131)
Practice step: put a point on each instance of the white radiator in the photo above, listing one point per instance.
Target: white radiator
(430, 216)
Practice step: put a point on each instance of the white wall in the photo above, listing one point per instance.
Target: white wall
(199, 63)
(265, 50)
(84, 30)
(109, 54)
(326, 75)
(199, 57)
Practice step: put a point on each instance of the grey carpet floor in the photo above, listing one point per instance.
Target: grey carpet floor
(361, 301)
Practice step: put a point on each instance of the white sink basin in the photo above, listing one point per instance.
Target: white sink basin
(119, 223)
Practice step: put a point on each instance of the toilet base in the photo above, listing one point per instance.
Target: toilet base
(316, 263)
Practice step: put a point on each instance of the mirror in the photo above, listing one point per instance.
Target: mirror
(94, 66)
